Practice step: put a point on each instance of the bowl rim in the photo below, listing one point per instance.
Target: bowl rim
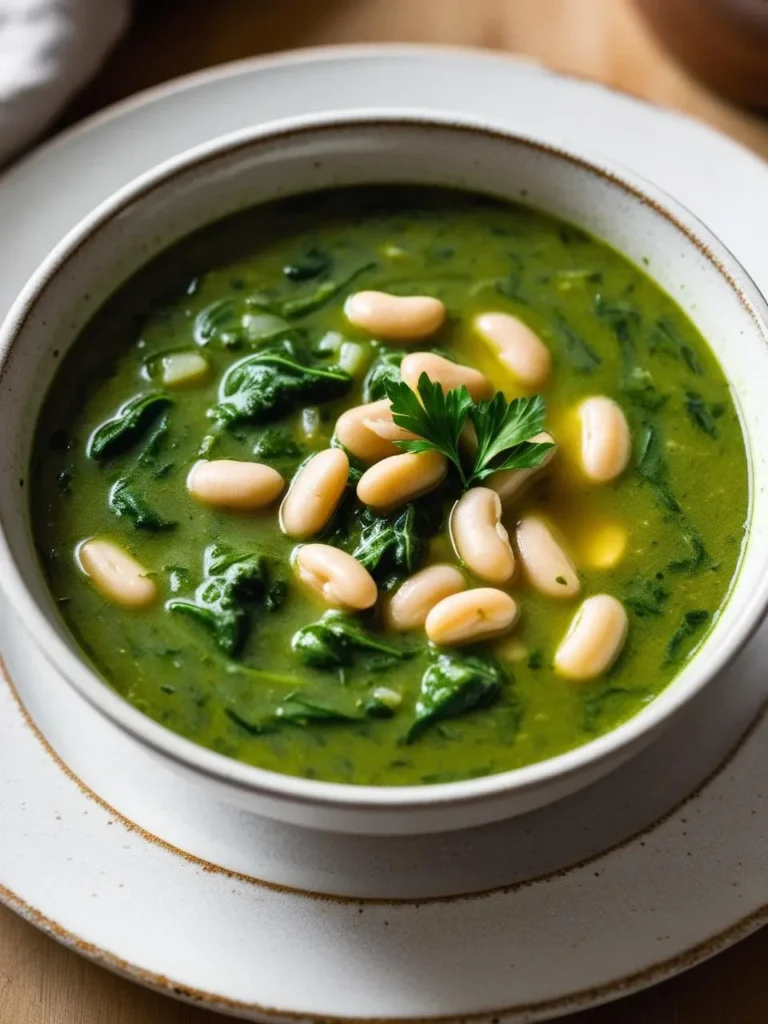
(297, 790)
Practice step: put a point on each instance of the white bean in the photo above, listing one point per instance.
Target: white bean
(410, 605)
(521, 350)
(181, 369)
(547, 566)
(314, 494)
(442, 371)
(115, 573)
(359, 431)
(605, 439)
(479, 539)
(395, 317)
(242, 486)
(594, 639)
(385, 427)
(510, 483)
(471, 616)
(400, 478)
(338, 578)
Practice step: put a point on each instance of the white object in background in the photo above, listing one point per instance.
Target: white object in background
(48, 50)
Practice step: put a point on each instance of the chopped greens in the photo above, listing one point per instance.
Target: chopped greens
(390, 547)
(322, 294)
(692, 623)
(231, 581)
(299, 709)
(314, 263)
(384, 370)
(453, 685)
(127, 426)
(670, 341)
(335, 639)
(578, 354)
(646, 596)
(703, 414)
(697, 556)
(125, 500)
(268, 384)
(652, 467)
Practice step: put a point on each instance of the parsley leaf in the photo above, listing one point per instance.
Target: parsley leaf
(438, 418)
(504, 429)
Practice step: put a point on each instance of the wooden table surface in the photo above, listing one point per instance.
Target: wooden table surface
(40, 981)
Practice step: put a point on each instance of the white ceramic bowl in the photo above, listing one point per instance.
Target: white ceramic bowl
(337, 149)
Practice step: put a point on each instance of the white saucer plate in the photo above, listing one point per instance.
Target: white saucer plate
(608, 891)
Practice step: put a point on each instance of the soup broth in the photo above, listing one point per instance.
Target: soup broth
(215, 656)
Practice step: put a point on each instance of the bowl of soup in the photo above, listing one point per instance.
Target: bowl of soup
(386, 474)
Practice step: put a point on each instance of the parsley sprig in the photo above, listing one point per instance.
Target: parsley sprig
(504, 429)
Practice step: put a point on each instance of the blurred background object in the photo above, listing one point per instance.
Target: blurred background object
(49, 49)
(722, 42)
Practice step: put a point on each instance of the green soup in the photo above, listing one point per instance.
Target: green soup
(223, 655)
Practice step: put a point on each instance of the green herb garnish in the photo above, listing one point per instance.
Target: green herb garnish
(503, 429)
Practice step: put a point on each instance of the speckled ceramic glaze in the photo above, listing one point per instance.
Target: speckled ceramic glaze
(373, 146)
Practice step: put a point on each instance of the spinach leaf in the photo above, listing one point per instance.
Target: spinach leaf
(669, 340)
(639, 388)
(295, 709)
(646, 596)
(254, 728)
(292, 309)
(276, 595)
(511, 285)
(580, 357)
(652, 466)
(271, 383)
(703, 414)
(453, 685)
(697, 557)
(300, 709)
(384, 370)
(314, 263)
(616, 312)
(152, 450)
(636, 382)
(535, 660)
(333, 640)
(690, 625)
(127, 426)
(223, 324)
(276, 443)
(219, 604)
(390, 546)
(219, 322)
(125, 500)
